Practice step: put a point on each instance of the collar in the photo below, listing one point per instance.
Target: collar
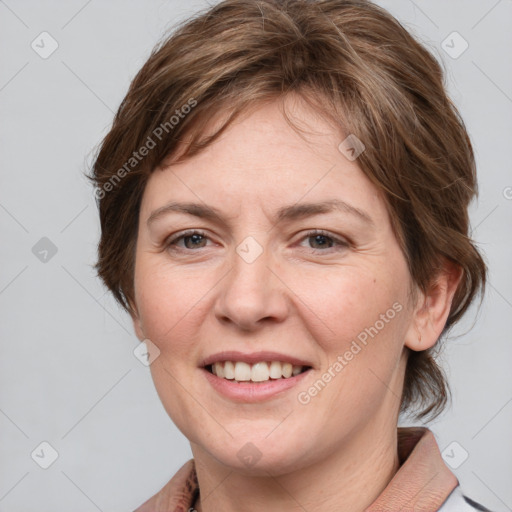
(422, 483)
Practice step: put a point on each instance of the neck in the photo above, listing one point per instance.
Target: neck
(353, 475)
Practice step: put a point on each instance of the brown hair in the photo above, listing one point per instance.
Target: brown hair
(360, 68)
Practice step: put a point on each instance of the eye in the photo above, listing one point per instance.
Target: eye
(324, 240)
(192, 239)
(196, 239)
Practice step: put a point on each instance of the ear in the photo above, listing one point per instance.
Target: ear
(433, 308)
(137, 324)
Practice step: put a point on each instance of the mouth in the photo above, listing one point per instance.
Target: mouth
(256, 376)
(259, 372)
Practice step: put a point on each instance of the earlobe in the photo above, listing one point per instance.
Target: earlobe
(434, 308)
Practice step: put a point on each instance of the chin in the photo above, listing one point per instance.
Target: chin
(256, 456)
(265, 464)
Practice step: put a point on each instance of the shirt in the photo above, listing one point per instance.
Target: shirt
(422, 483)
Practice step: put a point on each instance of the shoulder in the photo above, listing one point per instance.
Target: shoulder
(457, 501)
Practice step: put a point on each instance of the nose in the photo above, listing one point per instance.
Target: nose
(252, 294)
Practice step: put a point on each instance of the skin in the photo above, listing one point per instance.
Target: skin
(302, 296)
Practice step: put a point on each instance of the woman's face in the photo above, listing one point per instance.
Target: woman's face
(321, 287)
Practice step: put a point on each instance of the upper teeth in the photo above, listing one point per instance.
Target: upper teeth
(257, 372)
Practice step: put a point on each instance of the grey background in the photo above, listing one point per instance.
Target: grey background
(68, 375)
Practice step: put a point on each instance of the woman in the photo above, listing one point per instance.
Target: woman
(283, 199)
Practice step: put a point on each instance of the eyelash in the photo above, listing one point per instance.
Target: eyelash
(316, 232)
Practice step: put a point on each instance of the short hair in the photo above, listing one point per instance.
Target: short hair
(359, 68)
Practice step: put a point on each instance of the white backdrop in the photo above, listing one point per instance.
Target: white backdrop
(68, 376)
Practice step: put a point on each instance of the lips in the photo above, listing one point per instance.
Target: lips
(249, 391)
(254, 392)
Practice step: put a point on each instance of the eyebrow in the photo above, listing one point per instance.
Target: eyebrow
(286, 213)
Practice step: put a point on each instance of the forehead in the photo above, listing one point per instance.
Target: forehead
(260, 161)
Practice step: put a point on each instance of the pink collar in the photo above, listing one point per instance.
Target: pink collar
(423, 481)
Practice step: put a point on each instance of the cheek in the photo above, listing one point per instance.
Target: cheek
(168, 300)
(363, 318)
(345, 303)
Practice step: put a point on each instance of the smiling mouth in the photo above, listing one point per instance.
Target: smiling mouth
(264, 371)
